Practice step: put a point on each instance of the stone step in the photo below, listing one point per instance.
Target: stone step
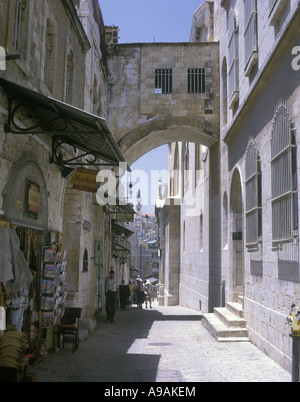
(241, 300)
(235, 308)
(229, 318)
(222, 332)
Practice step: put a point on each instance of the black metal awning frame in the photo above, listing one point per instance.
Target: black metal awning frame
(121, 231)
(124, 209)
(119, 247)
(65, 124)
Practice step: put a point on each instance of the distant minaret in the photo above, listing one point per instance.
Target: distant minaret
(139, 203)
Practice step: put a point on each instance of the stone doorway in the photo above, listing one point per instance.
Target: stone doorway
(236, 240)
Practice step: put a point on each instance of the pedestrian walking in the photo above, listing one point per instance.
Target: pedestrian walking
(140, 294)
(111, 292)
(124, 293)
(131, 288)
(148, 294)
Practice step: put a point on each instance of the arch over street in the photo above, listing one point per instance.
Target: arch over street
(163, 130)
(160, 93)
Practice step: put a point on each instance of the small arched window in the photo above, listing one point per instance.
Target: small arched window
(85, 265)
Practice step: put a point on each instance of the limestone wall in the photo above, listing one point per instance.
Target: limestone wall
(269, 291)
(132, 96)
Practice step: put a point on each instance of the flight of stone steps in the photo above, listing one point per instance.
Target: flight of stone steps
(227, 324)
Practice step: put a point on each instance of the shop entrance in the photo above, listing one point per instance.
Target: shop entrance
(236, 249)
(25, 222)
(31, 245)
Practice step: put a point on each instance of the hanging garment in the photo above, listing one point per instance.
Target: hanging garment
(6, 270)
(21, 271)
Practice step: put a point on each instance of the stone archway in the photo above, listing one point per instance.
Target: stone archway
(165, 130)
(236, 239)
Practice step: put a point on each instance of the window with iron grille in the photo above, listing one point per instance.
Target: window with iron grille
(196, 80)
(253, 197)
(250, 12)
(16, 34)
(284, 178)
(85, 264)
(70, 80)
(233, 52)
(163, 81)
(49, 56)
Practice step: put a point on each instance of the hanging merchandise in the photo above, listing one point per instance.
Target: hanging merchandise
(20, 248)
(53, 286)
(18, 268)
(6, 270)
(16, 288)
(2, 319)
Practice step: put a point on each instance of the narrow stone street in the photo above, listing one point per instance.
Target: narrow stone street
(162, 344)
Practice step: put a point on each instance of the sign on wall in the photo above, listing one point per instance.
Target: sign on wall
(85, 180)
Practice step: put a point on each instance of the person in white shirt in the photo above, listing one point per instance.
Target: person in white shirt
(148, 293)
(112, 294)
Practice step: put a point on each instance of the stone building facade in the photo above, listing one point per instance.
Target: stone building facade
(226, 103)
(261, 111)
(142, 113)
(146, 114)
(144, 246)
(54, 83)
(254, 179)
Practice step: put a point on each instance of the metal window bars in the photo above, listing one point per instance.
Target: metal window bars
(163, 81)
(284, 179)
(16, 34)
(250, 29)
(196, 80)
(253, 197)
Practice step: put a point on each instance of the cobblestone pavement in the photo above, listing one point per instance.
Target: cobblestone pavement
(162, 344)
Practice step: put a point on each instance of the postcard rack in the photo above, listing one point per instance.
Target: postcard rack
(53, 286)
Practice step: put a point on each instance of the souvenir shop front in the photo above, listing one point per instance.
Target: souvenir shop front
(32, 266)
(33, 286)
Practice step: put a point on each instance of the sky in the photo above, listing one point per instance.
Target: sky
(150, 21)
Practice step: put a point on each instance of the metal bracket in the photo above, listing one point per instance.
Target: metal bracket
(58, 157)
(44, 126)
(31, 113)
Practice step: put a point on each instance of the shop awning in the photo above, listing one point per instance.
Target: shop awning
(119, 247)
(65, 124)
(121, 230)
(124, 212)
